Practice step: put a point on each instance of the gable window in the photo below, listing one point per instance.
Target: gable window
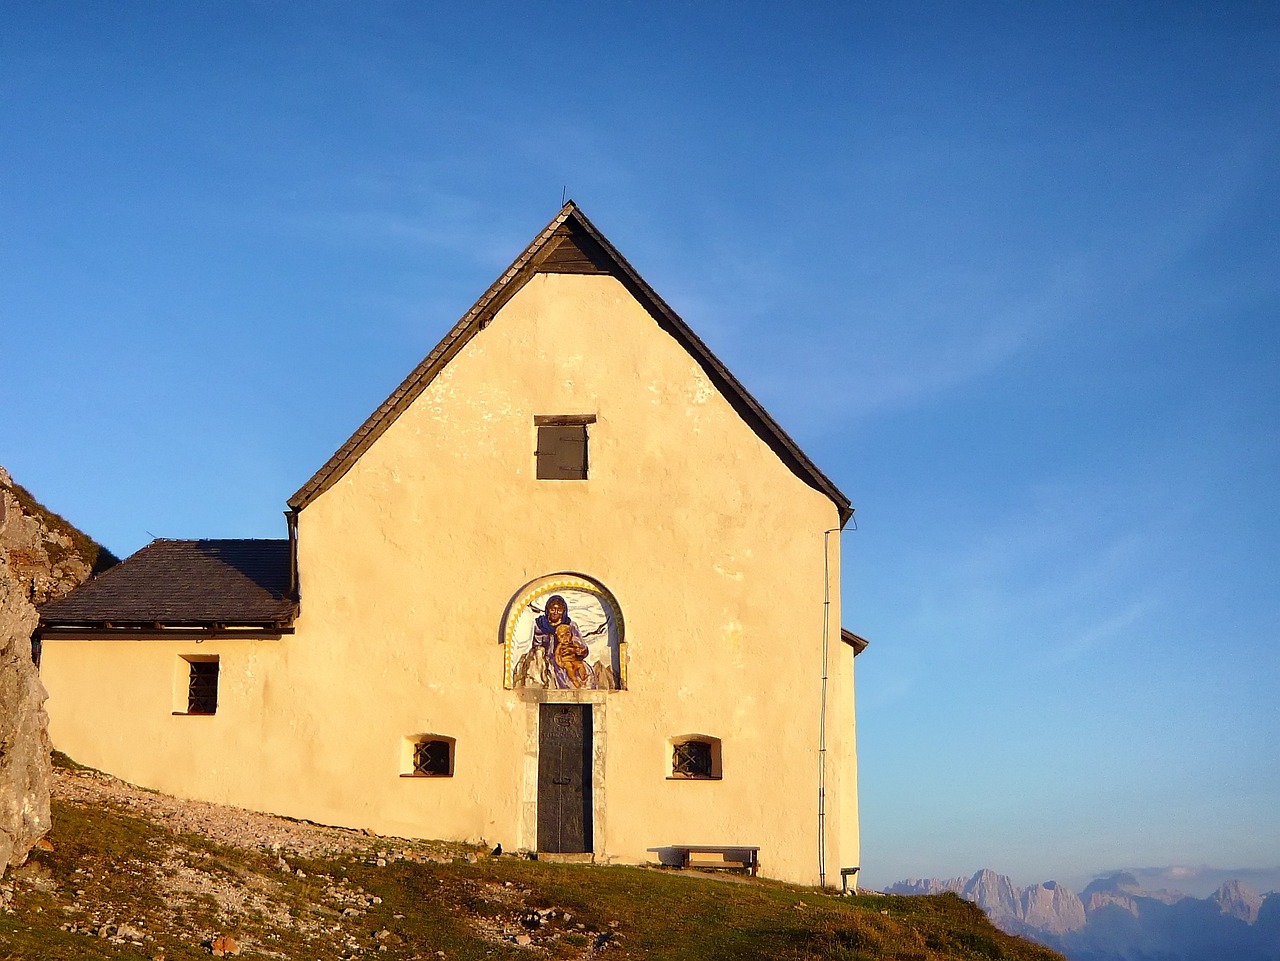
(429, 755)
(695, 757)
(202, 686)
(561, 450)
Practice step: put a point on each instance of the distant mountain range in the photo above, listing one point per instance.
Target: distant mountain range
(1114, 919)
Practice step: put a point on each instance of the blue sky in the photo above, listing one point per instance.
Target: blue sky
(1007, 272)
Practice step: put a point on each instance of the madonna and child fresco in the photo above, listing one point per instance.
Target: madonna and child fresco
(564, 633)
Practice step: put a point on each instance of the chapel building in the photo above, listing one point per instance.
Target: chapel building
(569, 589)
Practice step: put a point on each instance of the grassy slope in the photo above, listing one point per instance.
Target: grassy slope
(111, 866)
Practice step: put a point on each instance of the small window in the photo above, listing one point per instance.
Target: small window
(695, 758)
(429, 756)
(561, 450)
(202, 687)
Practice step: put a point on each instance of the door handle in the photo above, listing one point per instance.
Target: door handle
(561, 780)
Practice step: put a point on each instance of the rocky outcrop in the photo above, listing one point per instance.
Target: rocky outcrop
(1237, 901)
(1051, 907)
(995, 894)
(24, 738)
(47, 556)
(42, 556)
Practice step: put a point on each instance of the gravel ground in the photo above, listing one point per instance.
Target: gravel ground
(226, 825)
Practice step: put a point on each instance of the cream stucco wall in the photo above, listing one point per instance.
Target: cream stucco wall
(714, 550)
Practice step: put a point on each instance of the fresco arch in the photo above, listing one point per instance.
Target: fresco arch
(564, 631)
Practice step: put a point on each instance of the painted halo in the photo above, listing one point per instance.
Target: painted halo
(564, 632)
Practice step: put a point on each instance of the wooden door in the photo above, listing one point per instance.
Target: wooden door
(564, 778)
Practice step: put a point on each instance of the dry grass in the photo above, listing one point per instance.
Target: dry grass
(122, 885)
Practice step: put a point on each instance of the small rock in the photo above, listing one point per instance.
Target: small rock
(224, 946)
(523, 939)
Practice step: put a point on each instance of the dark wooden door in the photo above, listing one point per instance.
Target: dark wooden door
(564, 778)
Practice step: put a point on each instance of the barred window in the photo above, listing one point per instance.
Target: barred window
(433, 759)
(692, 759)
(202, 688)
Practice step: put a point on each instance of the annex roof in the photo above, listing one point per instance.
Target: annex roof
(859, 644)
(179, 583)
(569, 244)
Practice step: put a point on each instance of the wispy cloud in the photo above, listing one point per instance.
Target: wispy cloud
(1201, 880)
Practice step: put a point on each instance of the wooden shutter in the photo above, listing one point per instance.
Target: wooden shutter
(562, 452)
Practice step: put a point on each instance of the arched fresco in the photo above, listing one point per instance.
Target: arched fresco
(564, 632)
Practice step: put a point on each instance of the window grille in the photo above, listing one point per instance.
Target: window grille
(432, 759)
(692, 759)
(202, 690)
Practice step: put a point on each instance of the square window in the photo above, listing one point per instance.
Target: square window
(692, 759)
(433, 759)
(202, 687)
(561, 451)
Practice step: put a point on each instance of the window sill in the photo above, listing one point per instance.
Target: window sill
(695, 777)
(426, 775)
(195, 713)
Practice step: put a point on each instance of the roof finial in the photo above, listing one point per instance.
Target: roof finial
(564, 192)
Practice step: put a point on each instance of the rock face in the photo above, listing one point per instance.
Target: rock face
(1237, 901)
(25, 771)
(46, 555)
(1051, 907)
(42, 556)
(995, 894)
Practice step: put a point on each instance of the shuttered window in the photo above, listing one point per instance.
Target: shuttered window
(562, 448)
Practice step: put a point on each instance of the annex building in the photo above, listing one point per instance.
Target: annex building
(569, 589)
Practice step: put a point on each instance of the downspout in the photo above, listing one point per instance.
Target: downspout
(822, 716)
(291, 519)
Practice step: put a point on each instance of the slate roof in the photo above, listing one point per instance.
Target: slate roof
(569, 244)
(185, 584)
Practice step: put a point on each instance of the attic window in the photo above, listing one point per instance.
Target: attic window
(561, 450)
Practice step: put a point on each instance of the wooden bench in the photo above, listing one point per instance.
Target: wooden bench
(732, 857)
